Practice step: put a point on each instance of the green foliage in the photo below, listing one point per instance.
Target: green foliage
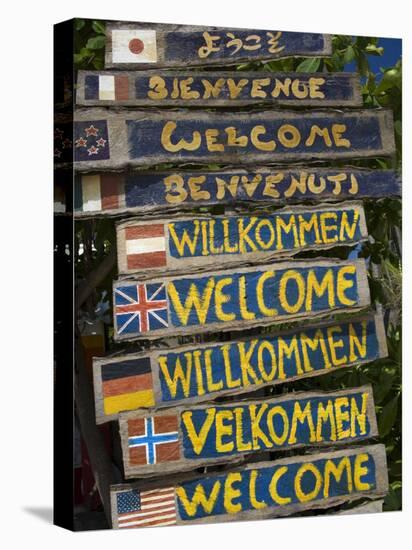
(382, 252)
(89, 41)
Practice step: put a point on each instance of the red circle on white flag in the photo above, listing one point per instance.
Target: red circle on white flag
(136, 45)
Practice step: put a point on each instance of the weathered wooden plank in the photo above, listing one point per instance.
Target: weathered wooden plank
(217, 89)
(184, 438)
(237, 299)
(115, 140)
(145, 192)
(190, 244)
(136, 45)
(372, 507)
(200, 372)
(257, 491)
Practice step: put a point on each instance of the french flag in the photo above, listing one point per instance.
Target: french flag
(106, 87)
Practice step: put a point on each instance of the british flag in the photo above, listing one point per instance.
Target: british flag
(140, 308)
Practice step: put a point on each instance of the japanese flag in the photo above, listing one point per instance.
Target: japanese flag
(134, 46)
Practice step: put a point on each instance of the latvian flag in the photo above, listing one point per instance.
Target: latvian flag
(98, 192)
(106, 87)
(145, 246)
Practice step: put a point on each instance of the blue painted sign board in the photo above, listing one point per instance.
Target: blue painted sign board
(219, 433)
(138, 46)
(260, 490)
(240, 298)
(194, 373)
(109, 140)
(102, 194)
(193, 243)
(212, 89)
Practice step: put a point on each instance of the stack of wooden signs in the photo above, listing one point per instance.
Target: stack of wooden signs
(205, 435)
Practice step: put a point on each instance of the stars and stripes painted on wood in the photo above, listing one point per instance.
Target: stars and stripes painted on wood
(238, 298)
(153, 508)
(204, 89)
(262, 490)
(243, 138)
(192, 243)
(146, 192)
(135, 45)
(182, 375)
(216, 433)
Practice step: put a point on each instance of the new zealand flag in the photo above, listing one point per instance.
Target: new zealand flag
(91, 140)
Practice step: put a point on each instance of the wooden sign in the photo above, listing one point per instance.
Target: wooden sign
(201, 372)
(240, 299)
(184, 438)
(146, 192)
(116, 140)
(373, 507)
(232, 89)
(257, 491)
(135, 45)
(193, 243)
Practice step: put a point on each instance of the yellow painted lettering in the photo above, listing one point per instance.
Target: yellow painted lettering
(166, 139)
(199, 498)
(175, 192)
(273, 487)
(230, 493)
(223, 430)
(337, 131)
(359, 471)
(337, 471)
(257, 142)
(344, 284)
(311, 495)
(341, 417)
(193, 301)
(285, 297)
(325, 415)
(315, 132)
(157, 87)
(320, 288)
(196, 439)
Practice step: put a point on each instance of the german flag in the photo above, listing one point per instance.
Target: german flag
(127, 385)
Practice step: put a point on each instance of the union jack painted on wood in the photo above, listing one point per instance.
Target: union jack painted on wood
(240, 298)
(140, 308)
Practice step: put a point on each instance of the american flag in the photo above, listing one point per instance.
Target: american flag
(146, 508)
(140, 308)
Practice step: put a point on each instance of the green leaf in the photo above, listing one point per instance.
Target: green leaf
(393, 500)
(99, 27)
(309, 65)
(96, 43)
(372, 49)
(349, 55)
(79, 24)
(388, 415)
